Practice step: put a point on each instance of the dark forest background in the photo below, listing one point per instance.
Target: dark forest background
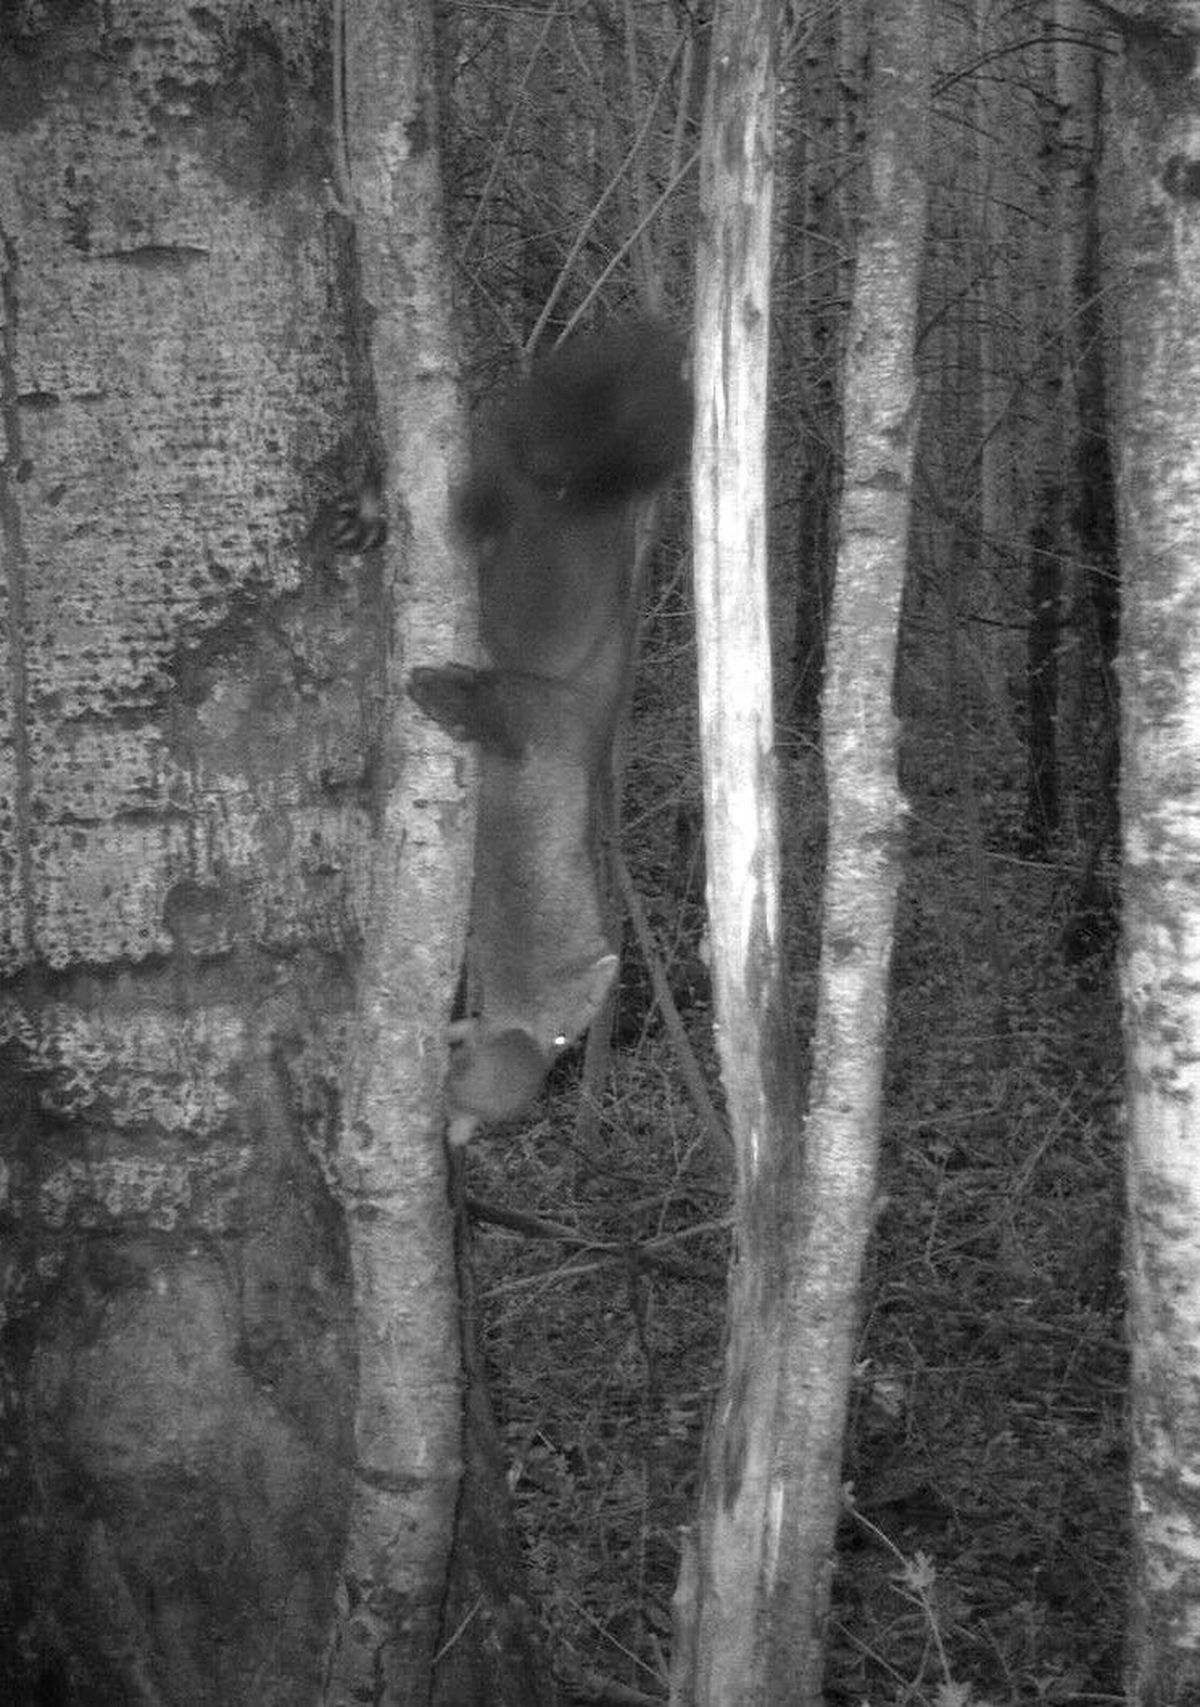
(984, 1540)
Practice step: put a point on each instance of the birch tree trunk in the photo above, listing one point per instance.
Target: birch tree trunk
(1154, 134)
(834, 1211)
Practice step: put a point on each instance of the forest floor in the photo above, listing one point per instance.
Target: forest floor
(981, 1555)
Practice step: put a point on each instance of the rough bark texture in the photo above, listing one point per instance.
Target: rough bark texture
(192, 757)
(1156, 137)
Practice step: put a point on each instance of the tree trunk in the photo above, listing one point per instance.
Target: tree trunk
(391, 1160)
(837, 1180)
(1041, 679)
(754, 1588)
(202, 776)
(1158, 484)
(718, 1600)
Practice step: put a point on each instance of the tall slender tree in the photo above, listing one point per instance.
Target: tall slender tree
(1155, 266)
